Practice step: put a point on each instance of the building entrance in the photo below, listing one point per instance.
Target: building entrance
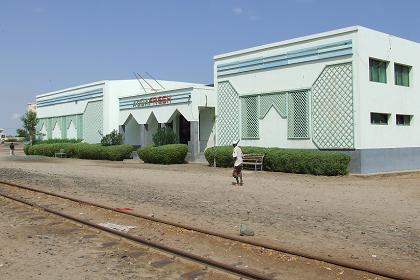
(184, 130)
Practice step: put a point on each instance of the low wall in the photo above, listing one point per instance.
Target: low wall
(367, 161)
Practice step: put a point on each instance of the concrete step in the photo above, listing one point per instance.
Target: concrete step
(135, 155)
(200, 158)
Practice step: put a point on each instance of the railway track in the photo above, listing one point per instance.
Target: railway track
(238, 256)
(41, 245)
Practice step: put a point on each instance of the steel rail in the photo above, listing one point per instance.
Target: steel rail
(345, 264)
(206, 261)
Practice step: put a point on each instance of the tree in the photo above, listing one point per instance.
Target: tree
(164, 136)
(30, 121)
(113, 138)
(20, 132)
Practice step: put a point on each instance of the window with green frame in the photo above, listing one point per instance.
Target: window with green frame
(377, 70)
(402, 75)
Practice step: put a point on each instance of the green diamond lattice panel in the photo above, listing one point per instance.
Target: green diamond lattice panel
(298, 114)
(77, 121)
(227, 113)
(71, 119)
(57, 121)
(40, 124)
(63, 123)
(92, 122)
(49, 128)
(63, 128)
(277, 100)
(79, 126)
(332, 108)
(249, 117)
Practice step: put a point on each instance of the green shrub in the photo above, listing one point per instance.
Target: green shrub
(50, 149)
(164, 136)
(287, 160)
(113, 138)
(223, 154)
(143, 151)
(10, 140)
(307, 162)
(55, 141)
(118, 152)
(166, 154)
(26, 149)
(90, 151)
(82, 150)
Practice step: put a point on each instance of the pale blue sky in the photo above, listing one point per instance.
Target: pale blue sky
(48, 44)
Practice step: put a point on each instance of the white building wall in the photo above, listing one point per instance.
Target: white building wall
(69, 108)
(115, 90)
(95, 118)
(71, 131)
(284, 78)
(273, 129)
(56, 133)
(388, 98)
(124, 88)
(207, 124)
(69, 104)
(196, 99)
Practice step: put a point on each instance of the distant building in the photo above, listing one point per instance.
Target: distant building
(136, 110)
(31, 107)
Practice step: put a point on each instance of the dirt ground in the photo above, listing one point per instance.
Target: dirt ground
(372, 221)
(36, 245)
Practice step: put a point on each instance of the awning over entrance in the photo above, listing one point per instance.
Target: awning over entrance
(164, 104)
(163, 114)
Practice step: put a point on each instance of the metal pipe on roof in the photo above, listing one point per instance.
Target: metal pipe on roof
(147, 83)
(155, 80)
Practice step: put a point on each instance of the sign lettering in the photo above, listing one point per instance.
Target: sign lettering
(152, 101)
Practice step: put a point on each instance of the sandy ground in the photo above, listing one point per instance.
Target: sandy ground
(274, 264)
(36, 245)
(372, 221)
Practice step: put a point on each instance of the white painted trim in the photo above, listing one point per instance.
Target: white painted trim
(294, 41)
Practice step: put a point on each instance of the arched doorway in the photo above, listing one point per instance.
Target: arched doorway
(184, 130)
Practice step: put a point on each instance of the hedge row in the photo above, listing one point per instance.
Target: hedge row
(56, 141)
(82, 150)
(166, 154)
(287, 160)
(10, 140)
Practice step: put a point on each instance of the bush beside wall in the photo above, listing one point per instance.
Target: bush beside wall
(118, 152)
(166, 154)
(82, 150)
(50, 149)
(287, 160)
(223, 154)
(307, 162)
(55, 141)
(26, 149)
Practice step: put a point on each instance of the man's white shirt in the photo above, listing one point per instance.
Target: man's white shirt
(237, 152)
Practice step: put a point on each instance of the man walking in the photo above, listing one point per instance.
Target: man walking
(237, 166)
(12, 149)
